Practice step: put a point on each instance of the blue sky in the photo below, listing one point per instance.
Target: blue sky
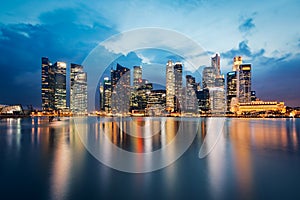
(265, 33)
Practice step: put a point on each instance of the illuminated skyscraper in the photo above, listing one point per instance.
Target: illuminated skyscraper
(209, 75)
(137, 76)
(60, 92)
(78, 90)
(48, 85)
(178, 86)
(231, 87)
(106, 95)
(190, 94)
(215, 63)
(244, 83)
(121, 90)
(170, 86)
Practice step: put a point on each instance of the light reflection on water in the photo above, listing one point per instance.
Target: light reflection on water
(249, 155)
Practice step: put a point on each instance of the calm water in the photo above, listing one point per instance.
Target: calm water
(253, 159)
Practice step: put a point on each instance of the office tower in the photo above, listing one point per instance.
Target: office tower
(190, 94)
(253, 96)
(209, 75)
(215, 63)
(244, 83)
(218, 101)
(121, 90)
(143, 93)
(231, 87)
(60, 92)
(137, 76)
(106, 95)
(178, 86)
(78, 89)
(203, 100)
(156, 103)
(48, 85)
(101, 99)
(170, 87)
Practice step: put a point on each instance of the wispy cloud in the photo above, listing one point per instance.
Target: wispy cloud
(247, 25)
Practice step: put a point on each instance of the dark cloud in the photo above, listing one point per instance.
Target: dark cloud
(242, 50)
(23, 45)
(247, 25)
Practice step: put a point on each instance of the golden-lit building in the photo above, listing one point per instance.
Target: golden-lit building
(259, 106)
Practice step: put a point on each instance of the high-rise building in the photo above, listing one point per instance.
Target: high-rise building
(231, 87)
(137, 76)
(121, 90)
(244, 83)
(203, 100)
(217, 94)
(106, 95)
(190, 94)
(143, 93)
(215, 63)
(156, 103)
(48, 85)
(170, 86)
(209, 75)
(78, 89)
(178, 86)
(60, 94)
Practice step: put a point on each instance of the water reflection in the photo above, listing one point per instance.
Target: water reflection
(55, 154)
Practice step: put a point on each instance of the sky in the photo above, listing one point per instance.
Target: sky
(265, 33)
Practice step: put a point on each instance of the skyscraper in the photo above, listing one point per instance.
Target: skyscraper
(48, 85)
(78, 89)
(178, 86)
(121, 90)
(231, 87)
(106, 95)
(244, 83)
(170, 87)
(60, 92)
(137, 76)
(190, 94)
(209, 75)
(215, 63)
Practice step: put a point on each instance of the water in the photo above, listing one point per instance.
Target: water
(253, 159)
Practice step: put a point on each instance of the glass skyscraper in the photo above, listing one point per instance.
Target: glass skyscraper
(48, 85)
(170, 87)
(244, 83)
(78, 90)
(231, 87)
(178, 86)
(60, 94)
(121, 90)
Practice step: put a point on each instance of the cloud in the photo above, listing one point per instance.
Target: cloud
(243, 50)
(22, 46)
(247, 25)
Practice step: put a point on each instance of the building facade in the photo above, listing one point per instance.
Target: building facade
(121, 90)
(60, 94)
(48, 85)
(178, 100)
(170, 86)
(244, 83)
(78, 90)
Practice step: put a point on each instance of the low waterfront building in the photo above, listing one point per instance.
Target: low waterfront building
(259, 107)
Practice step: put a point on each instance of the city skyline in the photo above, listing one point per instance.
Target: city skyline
(264, 33)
